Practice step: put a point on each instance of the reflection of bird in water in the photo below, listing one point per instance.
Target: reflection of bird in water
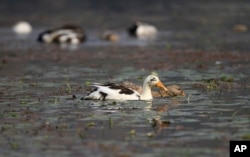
(110, 36)
(157, 122)
(142, 30)
(22, 28)
(67, 34)
(173, 90)
(162, 108)
(165, 107)
(119, 92)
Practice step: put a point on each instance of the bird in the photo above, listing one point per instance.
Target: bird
(173, 90)
(22, 28)
(142, 30)
(66, 34)
(113, 91)
(110, 36)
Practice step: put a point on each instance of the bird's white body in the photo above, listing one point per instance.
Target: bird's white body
(104, 92)
(50, 37)
(143, 30)
(22, 28)
(146, 30)
(68, 34)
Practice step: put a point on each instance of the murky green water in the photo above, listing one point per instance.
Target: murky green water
(198, 50)
(40, 118)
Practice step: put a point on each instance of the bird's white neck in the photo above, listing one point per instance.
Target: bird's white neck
(146, 92)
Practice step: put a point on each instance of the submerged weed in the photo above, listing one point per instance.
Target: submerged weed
(81, 135)
(150, 134)
(23, 102)
(14, 146)
(12, 114)
(132, 132)
(168, 46)
(90, 124)
(68, 88)
(246, 137)
(62, 126)
(227, 79)
(212, 85)
(33, 84)
(5, 128)
(56, 100)
(110, 123)
(217, 83)
(1, 115)
(87, 83)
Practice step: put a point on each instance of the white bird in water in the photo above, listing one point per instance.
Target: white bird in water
(143, 30)
(22, 28)
(67, 34)
(112, 91)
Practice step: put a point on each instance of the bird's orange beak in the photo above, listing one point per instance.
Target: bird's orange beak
(160, 85)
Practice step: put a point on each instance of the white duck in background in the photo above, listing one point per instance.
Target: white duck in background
(22, 28)
(143, 30)
(67, 34)
(112, 91)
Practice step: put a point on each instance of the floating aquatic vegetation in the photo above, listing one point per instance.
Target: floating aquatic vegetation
(68, 88)
(90, 124)
(150, 134)
(227, 79)
(132, 132)
(223, 82)
(87, 83)
(62, 126)
(110, 122)
(246, 137)
(14, 146)
(81, 135)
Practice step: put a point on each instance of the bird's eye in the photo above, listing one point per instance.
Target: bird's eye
(153, 79)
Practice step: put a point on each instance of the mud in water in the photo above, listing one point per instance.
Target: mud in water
(39, 116)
